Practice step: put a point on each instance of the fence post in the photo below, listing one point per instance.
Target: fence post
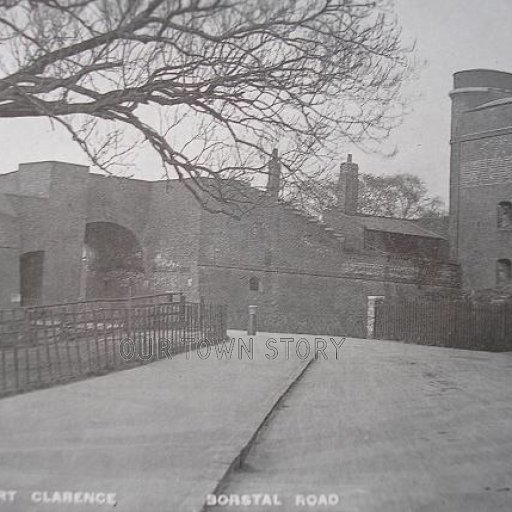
(223, 321)
(252, 327)
(130, 304)
(182, 307)
(371, 318)
(181, 318)
(201, 317)
(27, 327)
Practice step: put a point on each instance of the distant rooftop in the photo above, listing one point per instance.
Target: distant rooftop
(393, 225)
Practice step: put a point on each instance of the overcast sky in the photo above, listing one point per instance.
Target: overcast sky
(451, 35)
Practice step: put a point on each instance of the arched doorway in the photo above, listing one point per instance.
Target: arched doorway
(113, 262)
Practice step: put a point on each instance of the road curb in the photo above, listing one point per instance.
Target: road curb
(238, 460)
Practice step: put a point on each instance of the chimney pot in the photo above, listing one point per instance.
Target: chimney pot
(348, 187)
(274, 175)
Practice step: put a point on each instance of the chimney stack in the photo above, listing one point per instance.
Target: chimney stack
(274, 175)
(348, 187)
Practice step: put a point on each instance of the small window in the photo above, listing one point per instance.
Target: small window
(254, 284)
(503, 271)
(505, 214)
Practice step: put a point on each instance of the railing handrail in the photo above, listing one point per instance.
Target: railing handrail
(91, 301)
(182, 307)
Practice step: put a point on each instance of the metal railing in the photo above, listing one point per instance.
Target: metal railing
(47, 345)
(447, 323)
(18, 325)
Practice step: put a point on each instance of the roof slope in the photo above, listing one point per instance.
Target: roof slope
(392, 225)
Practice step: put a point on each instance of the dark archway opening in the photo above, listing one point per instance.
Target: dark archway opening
(113, 261)
(31, 278)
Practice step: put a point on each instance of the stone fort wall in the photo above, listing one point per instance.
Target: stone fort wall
(302, 269)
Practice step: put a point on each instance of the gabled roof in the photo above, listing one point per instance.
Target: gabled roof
(392, 225)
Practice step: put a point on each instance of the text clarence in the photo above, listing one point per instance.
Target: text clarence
(76, 498)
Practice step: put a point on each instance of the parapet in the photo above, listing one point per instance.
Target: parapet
(35, 178)
(473, 89)
(482, 78)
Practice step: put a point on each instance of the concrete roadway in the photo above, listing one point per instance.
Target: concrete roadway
(389, 427)
(159, 437)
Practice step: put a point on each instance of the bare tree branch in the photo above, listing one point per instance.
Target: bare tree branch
(401, 196)
(234, 77)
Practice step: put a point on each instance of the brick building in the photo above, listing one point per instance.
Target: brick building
(67, 234)
(481, 177)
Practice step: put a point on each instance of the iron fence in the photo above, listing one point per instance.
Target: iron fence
(44, 346)
(21, 324)
(447, 323)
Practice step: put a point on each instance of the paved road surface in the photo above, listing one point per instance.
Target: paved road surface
(390, 428)
(160, 436)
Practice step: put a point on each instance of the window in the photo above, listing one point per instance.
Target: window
(254, 284)
(505, 214)
(503, 271)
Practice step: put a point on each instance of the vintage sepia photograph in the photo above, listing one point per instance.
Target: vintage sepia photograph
(255, 255)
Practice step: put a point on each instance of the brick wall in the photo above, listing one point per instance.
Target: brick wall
(50, 202)
(54, 203)
(171, 239)
(302, 269)
(9, 250)
(286, 299)
(9, 278)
